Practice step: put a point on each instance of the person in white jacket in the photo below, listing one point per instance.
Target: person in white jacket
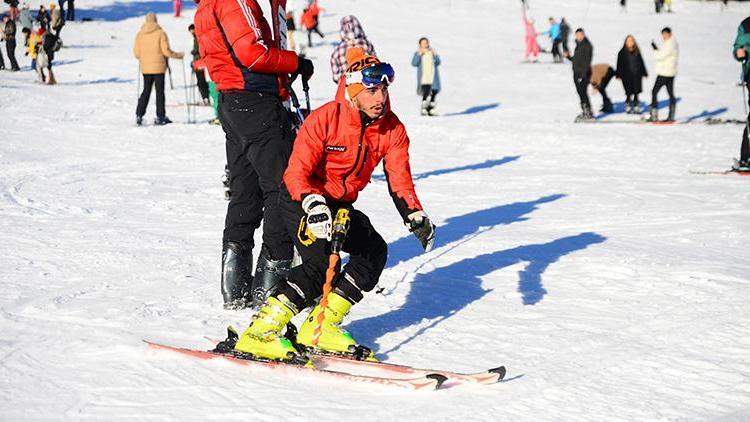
(666, 70)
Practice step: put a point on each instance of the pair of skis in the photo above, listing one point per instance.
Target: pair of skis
(345, 368)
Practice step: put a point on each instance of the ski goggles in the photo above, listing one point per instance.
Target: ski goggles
(370, 77)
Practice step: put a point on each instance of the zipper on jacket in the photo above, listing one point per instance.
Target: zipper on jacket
(356, 161)
(364, 160)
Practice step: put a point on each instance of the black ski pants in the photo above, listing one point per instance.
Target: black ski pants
(10, 46)
(745, 146)
(662, 81)
(556, 56)
(582, 81)
(149, 80)
(366, 248)
(427, 92)
(309, 34)
(603, 85)
(200, 76)
(258, 145)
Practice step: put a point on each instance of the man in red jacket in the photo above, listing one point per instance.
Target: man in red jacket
(335, 153)
(251, 72)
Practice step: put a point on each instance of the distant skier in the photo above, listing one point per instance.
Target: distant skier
(56, 21)
(352, 35)
(152, 50)
(43, 17)
(251, 72)
(741, 50)
(531, 45)
(666, 70)
(356, 131)
(564, 34)
(198, 67)
(631, 70)
(9, 34)
(426, 60)
(555, 37)
(33, 39)
(311, 19)
(291, 28)
(24, 18)
(582, 72)
(601, 74)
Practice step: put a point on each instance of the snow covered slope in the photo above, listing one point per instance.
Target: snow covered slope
(612, 282)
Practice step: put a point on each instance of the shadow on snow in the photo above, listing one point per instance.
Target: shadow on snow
(479, 166)
(98, 81)
(619, 107)
(437, 295)
(474, 110)
(705, 114)
(125, 10)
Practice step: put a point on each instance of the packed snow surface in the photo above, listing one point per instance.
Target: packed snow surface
(612, 282)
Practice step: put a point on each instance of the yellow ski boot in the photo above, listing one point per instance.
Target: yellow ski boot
(333, 339)
(262, 338)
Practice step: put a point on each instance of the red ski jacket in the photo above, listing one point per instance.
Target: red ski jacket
(237, 45)
(334, 155)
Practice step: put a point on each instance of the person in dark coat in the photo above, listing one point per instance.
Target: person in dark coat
(631, 70)
(9, 34)
(564, 34)
(199, 67)
(581, 59)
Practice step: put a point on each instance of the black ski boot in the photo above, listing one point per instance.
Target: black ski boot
(236, 275)
(653, 114)
(607, 106)
(268, 273)
(139, 120)
(161, 121)
(672, 108)
(586, 114)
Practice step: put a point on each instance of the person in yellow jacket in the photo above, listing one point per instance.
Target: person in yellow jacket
(32, 40)
(152, 51)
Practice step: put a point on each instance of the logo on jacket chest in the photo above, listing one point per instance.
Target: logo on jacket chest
(335, 148)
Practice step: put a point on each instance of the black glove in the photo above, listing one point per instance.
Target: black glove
(305, 69)
(653, 45)
(423, 229)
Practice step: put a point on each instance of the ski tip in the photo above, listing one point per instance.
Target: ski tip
(500, 371)
(439, 379)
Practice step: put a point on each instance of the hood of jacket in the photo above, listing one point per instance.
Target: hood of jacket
(150, 25)
(351, 29)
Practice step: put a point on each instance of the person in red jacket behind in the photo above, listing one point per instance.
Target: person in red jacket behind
(335, 153)
(251, 73)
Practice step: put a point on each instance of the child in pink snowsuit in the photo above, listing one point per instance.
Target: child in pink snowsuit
(532, 47)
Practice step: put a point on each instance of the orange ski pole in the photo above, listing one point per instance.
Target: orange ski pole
(338, 235)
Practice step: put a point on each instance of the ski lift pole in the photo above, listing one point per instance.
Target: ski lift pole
(338, 236)
(742, 85)
(184, 84)
(296, 105)
(169, 70)
(306, 89)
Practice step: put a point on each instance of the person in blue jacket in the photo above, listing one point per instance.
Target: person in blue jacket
(426, 60)
(555, 34)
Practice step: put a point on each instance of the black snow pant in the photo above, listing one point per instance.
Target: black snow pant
(150, 80)
(565, 45)
(745, 146)
(661, 81)
(603, 85)
(258, 145)
(309, 34)
(582, 81)
(366, 248)
(200, 76)
(10, 47)
(71, 15)
(427, 92)
(556, 56)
